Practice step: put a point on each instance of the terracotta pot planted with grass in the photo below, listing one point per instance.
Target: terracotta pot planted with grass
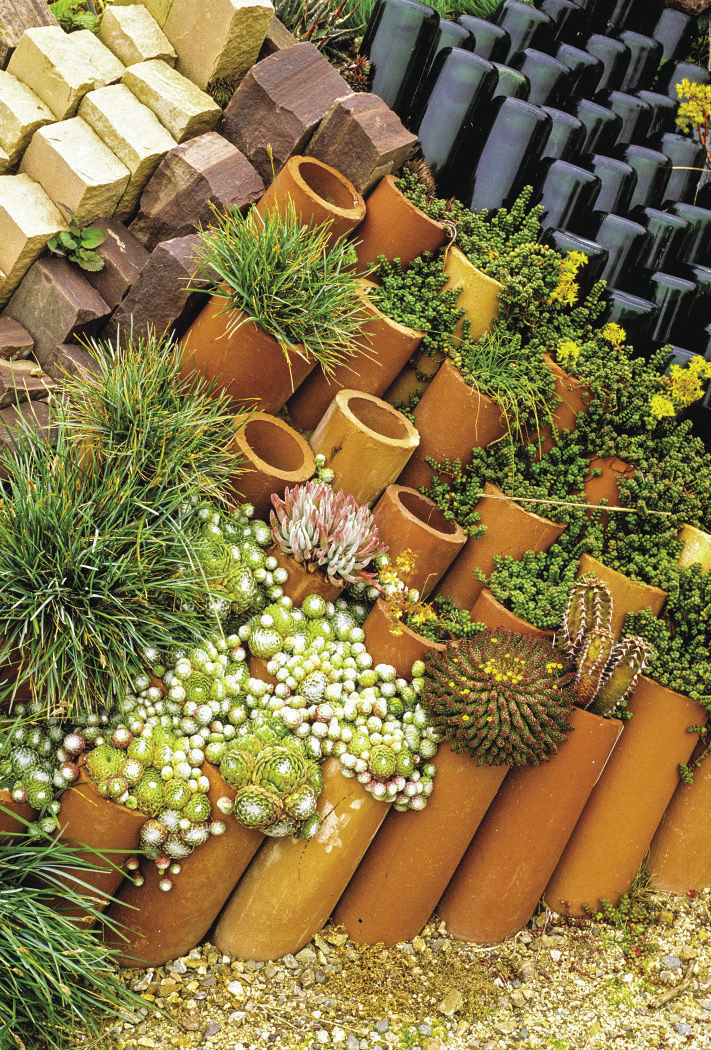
(395, 643)
(487, 610)
(627, 803)
(395, 228)
(680, 853)
(163, 925)
(366, 443)
(292, 885)
(386, 347)
(452, 418)
(407, 520)
(319, 193)
(404, 873)
(511, 530)
(628, 596)
(273, 456)
(520, 840)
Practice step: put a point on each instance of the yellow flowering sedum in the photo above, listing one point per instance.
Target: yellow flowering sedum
(568, 352)
(614, 333)
(682, 386)
(567, 289)
(661, 406)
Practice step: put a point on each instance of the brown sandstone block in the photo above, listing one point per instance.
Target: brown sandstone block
(70, 359)
(15, 17)
(207, 170)
(18, 420)
(279, 105)
(124, 257)
(15, 341)
(23, 381)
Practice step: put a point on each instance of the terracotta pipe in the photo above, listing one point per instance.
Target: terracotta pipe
(488, 610)
(291, 887)
(319, 194)
(407, 520)
(400, 649)
(273, 457)
(478, 294)
(9, 812)
(301, 582)
(366, 443)
(574, 397)
(697, 548)
(680, 853)
(395, 228)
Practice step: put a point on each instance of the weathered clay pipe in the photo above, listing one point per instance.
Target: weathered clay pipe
(273, 456)
(318, 193)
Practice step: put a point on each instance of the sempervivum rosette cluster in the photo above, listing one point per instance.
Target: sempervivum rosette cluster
(504, 698)
(323, 529)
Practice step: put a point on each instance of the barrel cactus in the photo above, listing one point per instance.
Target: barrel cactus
(323, 529)
(503, 698)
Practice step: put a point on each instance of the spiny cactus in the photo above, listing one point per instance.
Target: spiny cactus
(503, 698)
(606, 672)
(324, 529)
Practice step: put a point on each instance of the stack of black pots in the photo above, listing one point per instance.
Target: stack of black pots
(578, 99)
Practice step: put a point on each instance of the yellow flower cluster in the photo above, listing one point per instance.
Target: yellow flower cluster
(503, 672)
(683, 386)
(567, 288)
(614, 334)
(694, 107)
(567, 352)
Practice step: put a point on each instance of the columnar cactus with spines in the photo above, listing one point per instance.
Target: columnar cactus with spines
(504, 698)
(589, 609)
(323, 529)
(591, 660)
(629, 658)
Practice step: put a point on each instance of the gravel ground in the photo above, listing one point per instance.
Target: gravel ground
(640, 979)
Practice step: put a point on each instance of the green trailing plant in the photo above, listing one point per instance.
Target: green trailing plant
(137, 413)
(78, 243)
(286, 278)
(91, 573)
(607, 671)
(502, 697)
(327, 530)
(58, 981)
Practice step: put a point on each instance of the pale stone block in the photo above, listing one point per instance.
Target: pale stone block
(132, 132)
(160, 9)
(180, 106)
(217, 39)
(61, 67)
(5, 163)
(28, 219)
(21, 114)
(76, 169)
(133, 35)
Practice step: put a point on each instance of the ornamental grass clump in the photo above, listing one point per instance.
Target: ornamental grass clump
(288, 279)
(136, 412)
(323, 529)
(503, 698)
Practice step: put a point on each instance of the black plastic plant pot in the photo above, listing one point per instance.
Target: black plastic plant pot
(698, 246)
(687, 158)
(674, 296)
(672, 73)
(460, 83)
(526, 26)
(667, 238)
(615, 57)
(565, 241)
(702, 346)
(625, 242)
(490, 41)
(664, 111)
(702, 196)
(653, 170)
(602, 126)
(449, 34)
(633, 313)
(567, 135)
(496, 157)
(700, 314)
(635, 114)
(569, 19)
(549, 79)
(674, 30)
(645, 56)
(568, 194)
(586, 70)
(398, 40)
(640, 15)
(700, 415)
(598, 13)
(511, 83)
(617, 182)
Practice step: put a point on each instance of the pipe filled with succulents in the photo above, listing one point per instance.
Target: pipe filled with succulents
(250, 725)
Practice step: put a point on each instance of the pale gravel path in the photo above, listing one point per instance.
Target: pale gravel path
(566, 986)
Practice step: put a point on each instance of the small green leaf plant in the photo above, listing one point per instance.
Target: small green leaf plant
(78, 244)
(76, 14)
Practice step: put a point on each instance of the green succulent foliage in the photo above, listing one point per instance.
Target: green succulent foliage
(503, 698)
(32, 765)
(288, 279)
(333, 26)
(273, 778)
(77, 244)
